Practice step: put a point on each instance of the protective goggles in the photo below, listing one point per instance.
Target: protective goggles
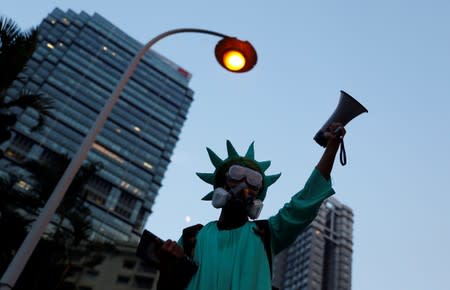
(252, 177)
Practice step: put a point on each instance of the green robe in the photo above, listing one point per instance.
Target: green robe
(236, 260)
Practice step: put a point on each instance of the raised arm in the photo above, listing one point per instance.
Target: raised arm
(301, 210)
(334, 134)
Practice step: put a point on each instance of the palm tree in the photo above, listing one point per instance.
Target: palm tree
(72, 209)
(51, 262)
(12, 222)
(16, 48)
(70, 237)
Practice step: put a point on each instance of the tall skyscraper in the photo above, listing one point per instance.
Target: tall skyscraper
(321, 256)
(78, 63)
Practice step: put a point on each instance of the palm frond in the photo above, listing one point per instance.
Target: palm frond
(8, 31)
(33, 100)
(43, 105)
(16, 48)
(26, 42)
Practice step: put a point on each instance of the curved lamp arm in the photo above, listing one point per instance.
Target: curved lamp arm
(16, 266)
(133, 65)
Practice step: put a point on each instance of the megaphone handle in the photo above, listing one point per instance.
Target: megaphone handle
(343, 154)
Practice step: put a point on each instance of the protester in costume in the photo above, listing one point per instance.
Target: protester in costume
(235, 253)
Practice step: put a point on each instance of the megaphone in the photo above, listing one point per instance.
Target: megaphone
(347, 109)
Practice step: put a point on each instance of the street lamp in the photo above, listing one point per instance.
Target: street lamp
(233, 54)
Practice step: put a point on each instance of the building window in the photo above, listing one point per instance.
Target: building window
(123, 279)
(95, 197)
(19, 147)
(97, 190)
(140, 218)
(143, 282)
(129, 264)
(125, 205)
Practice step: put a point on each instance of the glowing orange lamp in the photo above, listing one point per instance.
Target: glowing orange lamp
(235, 55)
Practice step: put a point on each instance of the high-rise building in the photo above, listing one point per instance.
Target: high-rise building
(321, 256)
(78, 63)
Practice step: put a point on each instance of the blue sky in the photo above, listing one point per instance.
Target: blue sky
(393, 56)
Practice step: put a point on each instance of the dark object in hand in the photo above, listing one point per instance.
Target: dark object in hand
(148, 248)
(175, 272)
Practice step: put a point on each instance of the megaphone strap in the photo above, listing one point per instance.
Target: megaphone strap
(342, 153)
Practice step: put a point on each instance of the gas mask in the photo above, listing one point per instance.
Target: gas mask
(238, 179)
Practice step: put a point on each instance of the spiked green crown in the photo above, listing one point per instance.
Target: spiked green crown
(217, 178)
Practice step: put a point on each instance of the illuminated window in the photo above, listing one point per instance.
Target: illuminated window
(49, 45)
(148, 165)
(124, 184)
(105, 48)
(95, 197)
(66, 21)
(137, 129)
(131, 188)
(108, 153)
(22, 184)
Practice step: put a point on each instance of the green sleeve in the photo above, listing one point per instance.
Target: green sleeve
(297, 214)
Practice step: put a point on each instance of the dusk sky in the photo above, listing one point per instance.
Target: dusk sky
(393, 56)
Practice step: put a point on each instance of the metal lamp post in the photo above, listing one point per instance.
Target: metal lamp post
(233, 54)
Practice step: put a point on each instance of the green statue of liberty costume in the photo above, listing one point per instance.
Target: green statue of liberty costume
(236, 253)
(235, 259)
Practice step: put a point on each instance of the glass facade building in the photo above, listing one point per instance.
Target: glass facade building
(78, 63)
(321, 256)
